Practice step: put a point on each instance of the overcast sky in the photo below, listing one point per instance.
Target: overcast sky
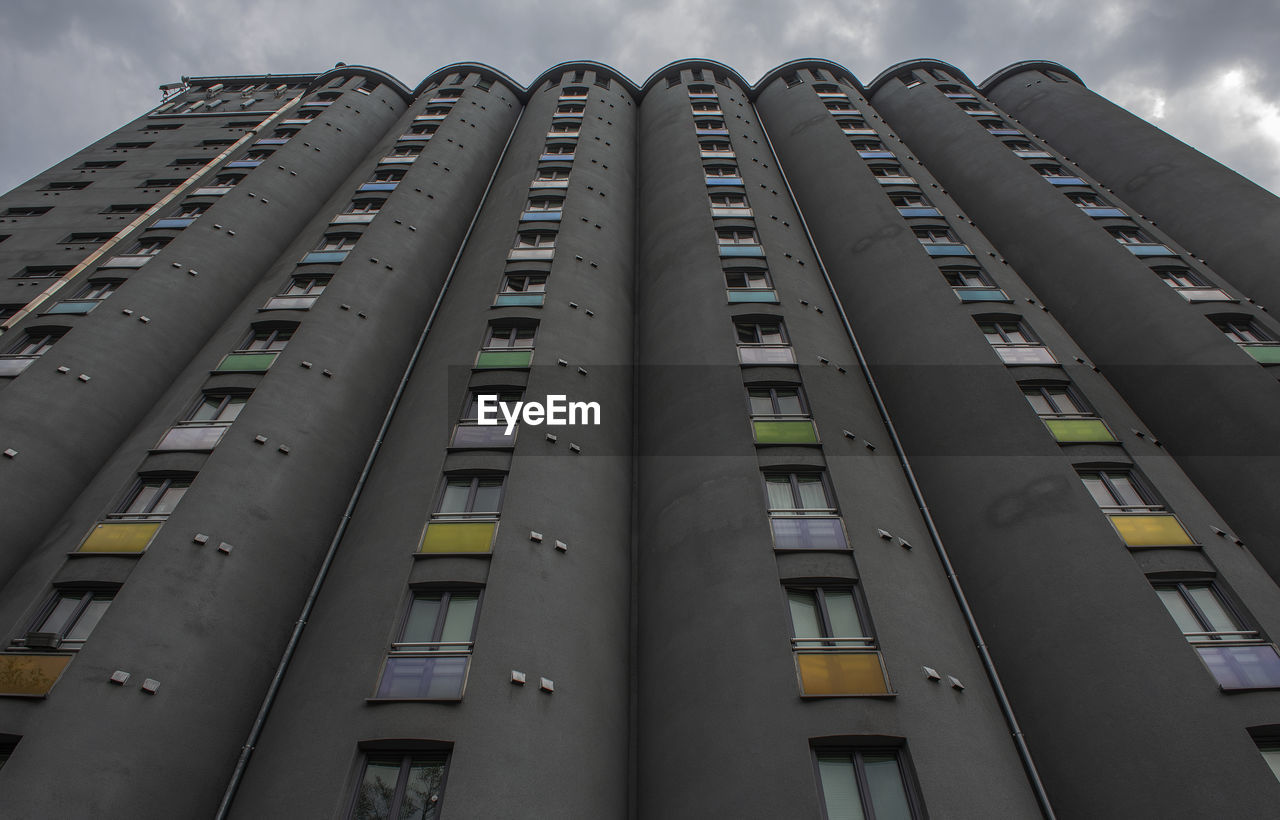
(1209, 73)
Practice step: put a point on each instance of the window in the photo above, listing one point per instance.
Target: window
(393, 787)
(405, 152)
(466, 515)
(888, 171)
(1066, 414)
(749, 285)
(1270, 749)
(835, 652)
(1014, 343)
(574, 90)
(362, 210)
(602, 82)
(154, 497)
(507, 346)
(871, 149)
(570, 108)
(125, 209)
(971, 284)
(227, 180)
(1252, 339)
(299, 293)
(125, 146)
(66, 186)
(424, 128)
(34, 343)
(470, 433)
(710, 125)
(368, 86)
(737, 203)
(935, 236)
(387, 175)
(705, 105)
(565, 128)
(533, 245)
(205, 423)
(999, 127)
(780, 415)
(737, 236)
(673, 80)
(792, 78)
(715, 148)
(148, 246)
(545, 204)
(522, 289)
(163, 183)
(484, 83)
(259, 349)
(66, 620)
(34, 211)
(801, 512)
(1191, 287)
(866, 783)
(559, 149)
(87, 297)
(1238, 657)
(913, 204)
(852, 125)
(429, 660)
(763, 342)
(185, 162)
(42, 272)
(338, 242)
(1133, 508)
(85, 238)
(700, 89)
(551, 174)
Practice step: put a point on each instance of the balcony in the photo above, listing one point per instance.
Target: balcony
(525, 254)
(30, 675)
(556, 158)
(247, 362)
(1195, 294)
(296, 121)
(196, 438)
(14, 365)
(711, 132)
(378, 186)
(859, 132)
(549, 183)
(290, 303)
(807, 530)
(851, 667)
(323, 257)
(519, 300)
(442, 537)
(408, 160)
(1024, 354)
(1065, 180)
(413, 138)
(896, 180)
(504, 359)
(471, 434)
(1151, 528)
(1263, 353)
(732, 212)
(272, 141)
(126, 261)
(1102, 212)
(425, 671)
(718, 155)
(909, 211)
(353, 219)
(741, 295)
(540, 216)
(1149, 249)
(1079, 430)
(1033, 154)
(766, 354)
(783, 430)
(1236, 666)
(980, 112)
(174, 223)
(754, 251)
(981, 294)
(74, 307)
(1004, 132)
(213, 190)
(120, 536)
(719, 181)
(876, 154)
(947, 249)
(244, 163)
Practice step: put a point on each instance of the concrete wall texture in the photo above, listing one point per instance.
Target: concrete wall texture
(934, 474)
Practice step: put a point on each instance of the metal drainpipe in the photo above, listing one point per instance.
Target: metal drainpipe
(1006, 708)
(273, 689)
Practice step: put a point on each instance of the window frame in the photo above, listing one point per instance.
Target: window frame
(407, 760)
(84, 596)
(163, 483)
(855, 756)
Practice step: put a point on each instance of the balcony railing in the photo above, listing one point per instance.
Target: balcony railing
(504, 359)
(425, 671)
(740, 295)
(766, 354)
(176, 222)
(120, 536)
(1149, 249)
(1263, 352)
(1148, 526)
(519, 300)
(1079, 429)
(194, 437)
(1102, 211)
(247, 361)
(323, 257)
(1236, 666)
(459, 533)
(807, 530)
(1024, 354)
(474, 434)
(741, 251)
(784, 429)
(840, 670)
(981, 293)
(946, 249)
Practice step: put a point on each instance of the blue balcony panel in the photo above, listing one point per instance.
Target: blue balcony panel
(741, 250)
(323, 257)
(948, 250)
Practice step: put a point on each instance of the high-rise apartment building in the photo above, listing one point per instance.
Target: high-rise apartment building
(911, 469)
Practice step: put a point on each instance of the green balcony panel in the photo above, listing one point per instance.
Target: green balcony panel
(30, 675)
(504, 358)
(1265, 354)
(519, 300)
(458, 536)
(738, 295)
(785, 432)
(1071, 431)
(1151, 530)
(120, 536)
(841, 673)
(981, 295)
(247, 362)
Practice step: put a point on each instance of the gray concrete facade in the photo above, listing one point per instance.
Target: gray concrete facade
(866, 374)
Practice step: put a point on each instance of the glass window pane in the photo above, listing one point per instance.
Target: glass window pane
(57, 619)
(488, 494)
(420, 626)
(884, 781)
(455, 495)
(88, 619)
(1039, 403)
(1271, 754)
(843, 614)
(771, 334)
(804, 613)
(840, 788)
(1220, 620)
(779, 488)
(461, 617)
(142, 501)
(1126, 489)
(812, 494)
(1101, 495)
(377, 789)
(789, 401)
(169, 499)
(747, 334)
(761, 402)
(208, 409)
(1178, 608)
(422, 789)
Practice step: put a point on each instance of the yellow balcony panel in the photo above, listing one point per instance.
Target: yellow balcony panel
(1151, 530)
(841, 673)
(30, 675)
(458, 536)
(120, 536)
(1078, 431)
